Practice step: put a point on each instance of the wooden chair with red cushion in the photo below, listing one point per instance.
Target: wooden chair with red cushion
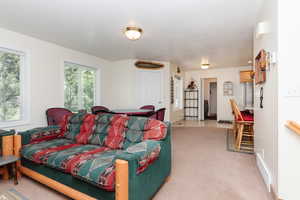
(55, 115)
(244, 122)
(98, 109)
(160, 114)
(148, 107)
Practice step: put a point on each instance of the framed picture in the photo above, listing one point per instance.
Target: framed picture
(261, 63)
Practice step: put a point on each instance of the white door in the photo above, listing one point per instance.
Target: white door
(150, 88)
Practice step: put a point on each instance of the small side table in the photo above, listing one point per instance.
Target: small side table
(6, 160)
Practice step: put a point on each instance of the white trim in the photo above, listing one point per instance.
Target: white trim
(181, 86)
(98, 87)
(24, 90)
(264, 171)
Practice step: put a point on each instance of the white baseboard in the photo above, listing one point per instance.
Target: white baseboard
(264, 171)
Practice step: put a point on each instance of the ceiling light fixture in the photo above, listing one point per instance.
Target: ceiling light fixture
(133, 33)
(205, 66)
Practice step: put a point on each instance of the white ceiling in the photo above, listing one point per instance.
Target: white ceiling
(180, 31)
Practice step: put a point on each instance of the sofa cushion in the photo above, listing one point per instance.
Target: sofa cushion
(135, 130)
(109, 130)
(98, 169)
(140, 128)
(30, 151)
(147, 151)
(86, 129)
(59, 159)
(102, 122)
(73, 125)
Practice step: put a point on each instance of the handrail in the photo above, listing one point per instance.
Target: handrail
(294, 126)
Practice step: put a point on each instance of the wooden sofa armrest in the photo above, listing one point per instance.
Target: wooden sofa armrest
(121, 180)
(7, 150)
(17, 149)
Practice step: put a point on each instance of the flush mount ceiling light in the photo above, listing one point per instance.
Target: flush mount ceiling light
(205, 66)
(133, 33)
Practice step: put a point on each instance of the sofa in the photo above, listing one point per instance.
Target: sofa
(104, 156)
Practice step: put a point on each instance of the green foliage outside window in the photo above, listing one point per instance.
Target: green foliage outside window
(79, 87)
(10, 107)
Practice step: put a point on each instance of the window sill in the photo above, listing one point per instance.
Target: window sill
(14, 124)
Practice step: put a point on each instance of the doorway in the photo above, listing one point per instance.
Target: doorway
(210, 98)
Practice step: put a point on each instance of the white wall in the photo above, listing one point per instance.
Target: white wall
(123, 85)
(116, 80)
(289, 105)
(45, 65)
(176, 114)
(222, 75)
(265, 127)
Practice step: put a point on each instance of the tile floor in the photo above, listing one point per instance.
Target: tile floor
(198, 123)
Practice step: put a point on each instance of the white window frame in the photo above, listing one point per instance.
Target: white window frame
(24, 90)
(178, 87)
(83, 66)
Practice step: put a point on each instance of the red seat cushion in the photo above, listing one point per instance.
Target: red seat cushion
(247, 117)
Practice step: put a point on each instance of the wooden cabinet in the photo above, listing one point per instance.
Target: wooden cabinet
(246, 76)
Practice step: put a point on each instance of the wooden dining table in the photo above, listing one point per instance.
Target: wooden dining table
(142, 112)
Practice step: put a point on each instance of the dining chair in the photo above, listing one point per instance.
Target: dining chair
(160, 114)
(148, 107)
(55, 115)
(234, 124)
(146, 114)
(98, 109)
(244, 123)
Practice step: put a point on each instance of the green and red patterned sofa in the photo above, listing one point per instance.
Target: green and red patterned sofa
(81, 154)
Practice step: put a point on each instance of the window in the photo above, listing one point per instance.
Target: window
(79, 87)
(178, 92)
(12, 104)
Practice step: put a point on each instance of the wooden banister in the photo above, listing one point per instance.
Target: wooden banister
(294, 126)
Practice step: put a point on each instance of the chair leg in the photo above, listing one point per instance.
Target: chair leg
(234, 130)
(239, 136)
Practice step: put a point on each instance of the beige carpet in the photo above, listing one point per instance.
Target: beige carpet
(202, 170)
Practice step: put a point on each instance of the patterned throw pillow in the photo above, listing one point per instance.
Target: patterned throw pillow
(100, 129)
(116, 132)
(72, 128)
(109, 130)
(135, 130)
(86, 129)
(155, 130)
(141, 128)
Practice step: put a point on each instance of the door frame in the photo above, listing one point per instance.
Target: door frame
(201, 99)
(137, 71)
